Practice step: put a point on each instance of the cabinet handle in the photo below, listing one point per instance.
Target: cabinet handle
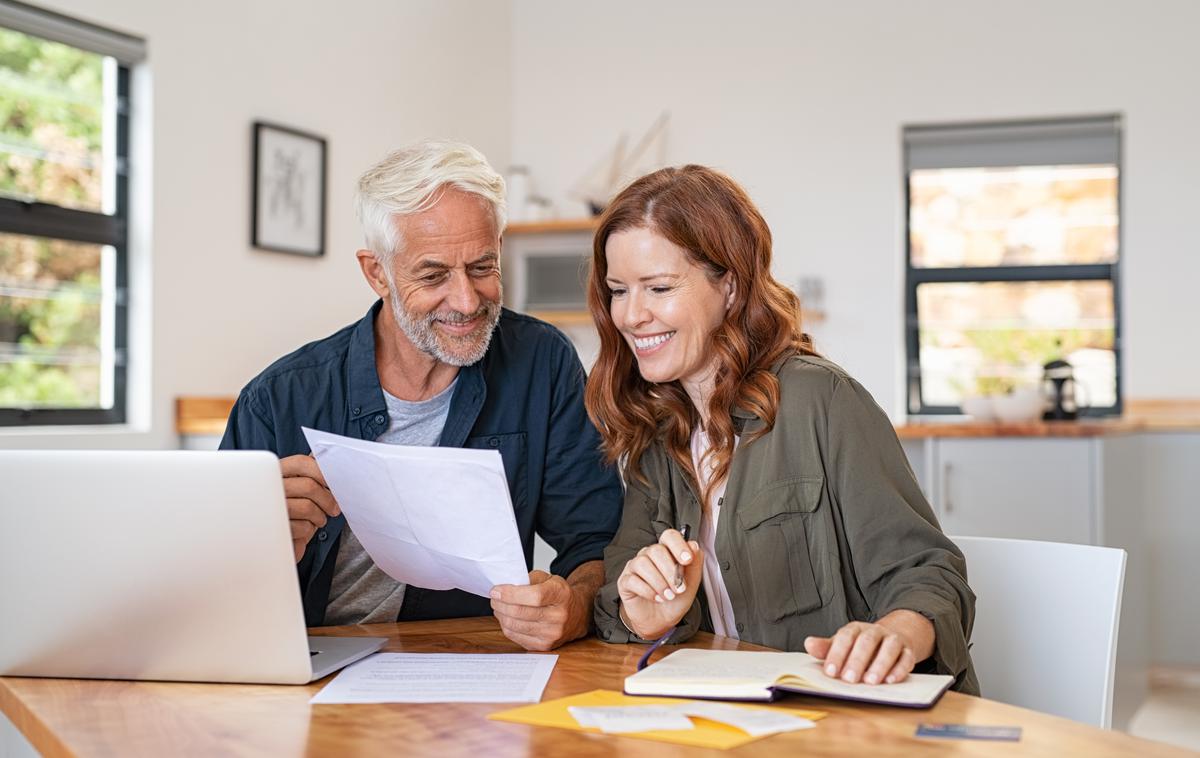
(947, 506)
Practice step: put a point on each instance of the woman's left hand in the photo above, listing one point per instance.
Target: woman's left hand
(885, 651)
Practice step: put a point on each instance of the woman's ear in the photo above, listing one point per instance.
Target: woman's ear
(730, 290)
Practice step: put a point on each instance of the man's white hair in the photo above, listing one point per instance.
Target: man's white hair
(412, 179)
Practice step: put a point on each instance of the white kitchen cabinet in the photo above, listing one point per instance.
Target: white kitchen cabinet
(1025, 488)
(1085, 490)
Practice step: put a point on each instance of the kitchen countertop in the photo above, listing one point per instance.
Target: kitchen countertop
(1150, 415)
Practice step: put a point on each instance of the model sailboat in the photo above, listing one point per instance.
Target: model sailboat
(617, 168)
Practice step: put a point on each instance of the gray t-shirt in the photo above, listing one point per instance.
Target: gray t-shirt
(360, 592)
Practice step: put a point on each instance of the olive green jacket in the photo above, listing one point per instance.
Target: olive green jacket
(822, 523)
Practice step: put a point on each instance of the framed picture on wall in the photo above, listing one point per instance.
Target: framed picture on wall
(288, 215)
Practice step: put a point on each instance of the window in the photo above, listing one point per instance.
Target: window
(64, 212)
(1013, 247)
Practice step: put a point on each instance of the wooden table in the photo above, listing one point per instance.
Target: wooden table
(67, 717)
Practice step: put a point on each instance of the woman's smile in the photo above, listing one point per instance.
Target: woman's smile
(650, 344)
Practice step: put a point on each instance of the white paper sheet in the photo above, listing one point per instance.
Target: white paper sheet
(433, 517)
(619, 719)
(441, 678)
(757, 722)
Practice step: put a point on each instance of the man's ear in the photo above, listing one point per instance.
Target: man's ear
(373, 272)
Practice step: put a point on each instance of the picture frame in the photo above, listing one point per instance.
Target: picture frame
(288, 207)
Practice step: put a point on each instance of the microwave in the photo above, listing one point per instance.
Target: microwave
(547, 273)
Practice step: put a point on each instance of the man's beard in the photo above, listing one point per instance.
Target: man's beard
(452, 349)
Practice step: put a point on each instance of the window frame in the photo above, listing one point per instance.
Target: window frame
(40, 219)
(915, 276)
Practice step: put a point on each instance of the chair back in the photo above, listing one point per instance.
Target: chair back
(1046, 620)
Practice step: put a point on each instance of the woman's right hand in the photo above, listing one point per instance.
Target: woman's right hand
(651, 600)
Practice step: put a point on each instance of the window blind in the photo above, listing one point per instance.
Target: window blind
(126, 48)
(1061, 142)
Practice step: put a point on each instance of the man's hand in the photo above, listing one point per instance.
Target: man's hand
(550, 610)
(309, 502)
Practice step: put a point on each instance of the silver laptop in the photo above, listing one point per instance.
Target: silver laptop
(164, 565)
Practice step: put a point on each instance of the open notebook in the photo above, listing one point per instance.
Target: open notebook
(749, 675)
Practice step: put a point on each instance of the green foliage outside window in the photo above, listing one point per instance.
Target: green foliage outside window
(51, 138)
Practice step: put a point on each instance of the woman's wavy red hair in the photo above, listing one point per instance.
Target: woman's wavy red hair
(710, 217)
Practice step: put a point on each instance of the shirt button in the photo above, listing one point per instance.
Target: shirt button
(724, 565)
(741, 627)
(356, 410)
(494, 441)
(322, 535)
(606, 634)
(379, 419)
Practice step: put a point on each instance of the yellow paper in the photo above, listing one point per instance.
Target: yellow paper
(705, 734)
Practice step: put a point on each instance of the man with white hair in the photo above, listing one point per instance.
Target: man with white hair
(438, 361)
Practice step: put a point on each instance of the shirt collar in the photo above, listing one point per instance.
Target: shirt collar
(366, 395)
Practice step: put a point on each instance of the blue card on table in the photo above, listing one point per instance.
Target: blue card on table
(970, 732)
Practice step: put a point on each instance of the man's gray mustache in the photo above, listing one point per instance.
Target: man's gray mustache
(456, 317)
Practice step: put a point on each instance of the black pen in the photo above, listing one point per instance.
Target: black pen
(685, 530)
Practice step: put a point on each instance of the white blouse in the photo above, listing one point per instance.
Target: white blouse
(719, 608)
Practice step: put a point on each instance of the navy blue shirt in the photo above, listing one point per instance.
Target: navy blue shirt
(523, 398)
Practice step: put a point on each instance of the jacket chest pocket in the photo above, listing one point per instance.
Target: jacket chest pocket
(774, 524)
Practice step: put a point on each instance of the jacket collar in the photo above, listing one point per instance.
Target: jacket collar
(742, 417)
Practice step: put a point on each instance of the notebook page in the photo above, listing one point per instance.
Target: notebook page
(917, 689)
(746, 674)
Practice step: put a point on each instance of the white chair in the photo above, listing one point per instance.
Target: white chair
(1046, 619)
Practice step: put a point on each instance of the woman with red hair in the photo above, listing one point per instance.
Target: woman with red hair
(809, 531)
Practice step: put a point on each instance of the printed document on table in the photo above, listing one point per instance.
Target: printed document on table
(441, 678)
(433, 517)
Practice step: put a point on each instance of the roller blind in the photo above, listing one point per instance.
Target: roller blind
(1058, 142)
(38, 22)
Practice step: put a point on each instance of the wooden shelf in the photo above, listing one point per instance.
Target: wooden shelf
(564, 318)
(202, 415)
(558, 225)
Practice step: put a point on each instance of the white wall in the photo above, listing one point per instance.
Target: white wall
(368, 76)
(803, 103)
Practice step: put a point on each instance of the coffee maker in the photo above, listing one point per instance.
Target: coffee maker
(1058, 387)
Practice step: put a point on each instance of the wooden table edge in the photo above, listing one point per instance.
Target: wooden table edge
(37, 732)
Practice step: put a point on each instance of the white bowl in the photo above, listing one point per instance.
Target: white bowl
(1020, 406)
(978, 407)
